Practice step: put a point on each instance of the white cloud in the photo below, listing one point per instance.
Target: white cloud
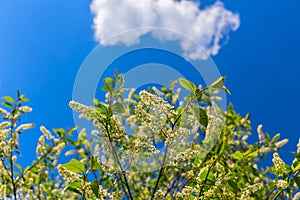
(206, 26)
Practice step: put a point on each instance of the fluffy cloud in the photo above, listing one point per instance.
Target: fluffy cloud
(206, 26)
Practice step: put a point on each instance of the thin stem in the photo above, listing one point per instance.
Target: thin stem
(160, 173)
(174, 182)
(36, 162)
(181, 187)
(166, 150)
(206, 178)
(14, 188)
(118, 161)
(6, 169)
(187, 105)
(277, 195)
(268, 197)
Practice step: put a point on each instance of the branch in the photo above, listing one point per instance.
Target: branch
(36, 162)
(206, 178)
(118, 161)
(160, 172)
(277, 195)
(14, 188)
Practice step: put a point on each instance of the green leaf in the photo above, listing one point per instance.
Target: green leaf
(296, 165)
(297, 155)
(198, 95)
(95, 101)
(8, 99)
(201, 115)
(275, 138)
(219, 83)
(75, 166)
(221, 148)
(226, 90)
(118, 107)
(237, 155)
(73, 187)
(59, 131)
(297, 180)
(250, 154)
(164, 89)
(19, 167)
(233, 186)
(105, 88)
(134, 168)
(95, 165)
(95, 188)
(24, 99)
(203, 175)
(136, 96)
(6, 104)
(190, 86)
(108, 80)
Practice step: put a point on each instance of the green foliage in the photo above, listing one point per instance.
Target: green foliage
(148, 145)
(37, 181)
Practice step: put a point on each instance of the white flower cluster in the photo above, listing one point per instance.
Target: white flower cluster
(88, 112)
(278, 163)
(159, 111)
(8, 144)
(4, 112)
(85, 186)
(213, 132)
(23, 127)
(281, 143)
(247, 191)
(214, 128)
(78, 107)
(296, 196)
(261, 135)
(46, 133)
(4, 133)
(182, 157)
(177, 136)
(4, 124)
(186, 193)
(119, 132)
(3, 188)
(25, 109)
(141, 145)
(155, 102)
(68, 176)
(282, 184)
(104, 194)
(219, 192)
(40, 148)
(159, 195)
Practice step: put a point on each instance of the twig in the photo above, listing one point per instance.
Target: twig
(36, 162)
(160, 173)
(277, 195)
(118, 161)
(206, 178)
(14, 188)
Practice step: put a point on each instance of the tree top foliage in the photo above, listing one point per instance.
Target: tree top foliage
(148, 144)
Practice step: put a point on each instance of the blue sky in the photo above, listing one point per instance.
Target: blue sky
(43, 43)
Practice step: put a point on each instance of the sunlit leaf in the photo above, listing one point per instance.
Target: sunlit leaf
(237, 155)
(201, 115)
(95, 165)
(95, 188)
(8, 99)
(190, 86)
(75, 166)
